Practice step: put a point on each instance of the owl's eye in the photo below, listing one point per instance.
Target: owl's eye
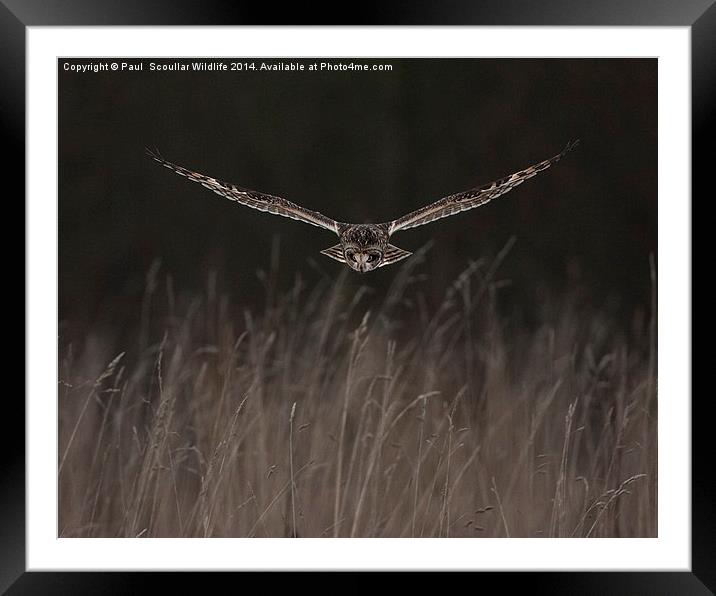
(372, 258)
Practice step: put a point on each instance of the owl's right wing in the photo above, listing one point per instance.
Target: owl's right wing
(251, 198)
(469, 199)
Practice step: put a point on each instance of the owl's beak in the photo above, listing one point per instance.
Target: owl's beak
(362, 261)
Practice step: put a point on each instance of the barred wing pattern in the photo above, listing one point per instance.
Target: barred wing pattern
(251, 198)
(474, 197)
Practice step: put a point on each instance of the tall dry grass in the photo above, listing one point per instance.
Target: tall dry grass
(321, 417)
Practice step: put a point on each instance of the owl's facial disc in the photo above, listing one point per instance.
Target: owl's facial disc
(363, 260)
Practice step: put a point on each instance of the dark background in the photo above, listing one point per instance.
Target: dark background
(358, 146)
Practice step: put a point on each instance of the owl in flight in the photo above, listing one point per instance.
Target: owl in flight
(364, 247)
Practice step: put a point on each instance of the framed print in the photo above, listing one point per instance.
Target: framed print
(323, 297)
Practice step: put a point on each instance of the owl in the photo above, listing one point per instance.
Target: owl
(365, 247)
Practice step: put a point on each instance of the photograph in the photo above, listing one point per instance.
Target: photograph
(357, 297)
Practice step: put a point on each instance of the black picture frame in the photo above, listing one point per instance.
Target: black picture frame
(699, 15)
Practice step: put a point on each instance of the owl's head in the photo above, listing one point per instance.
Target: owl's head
(363, 258)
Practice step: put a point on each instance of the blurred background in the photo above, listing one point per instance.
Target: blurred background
(357, 146)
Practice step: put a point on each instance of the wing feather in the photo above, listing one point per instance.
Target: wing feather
(251, 198)
(393, 254)
(474, 197)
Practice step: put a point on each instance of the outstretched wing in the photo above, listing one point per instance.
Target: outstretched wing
(251, 198)
(474, 197)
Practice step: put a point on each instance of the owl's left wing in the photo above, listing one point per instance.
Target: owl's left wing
(251, 198)
(474, 197)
